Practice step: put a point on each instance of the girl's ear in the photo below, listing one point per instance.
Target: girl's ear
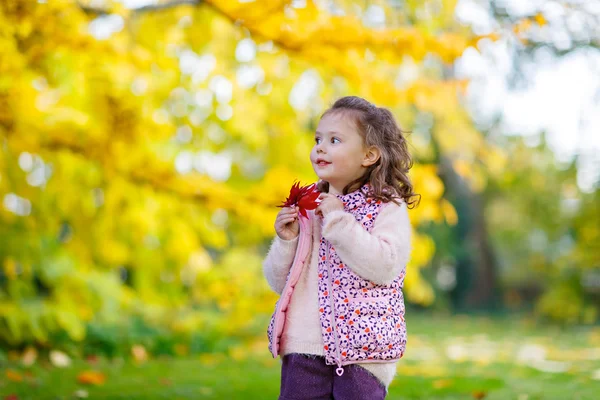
(372, 155)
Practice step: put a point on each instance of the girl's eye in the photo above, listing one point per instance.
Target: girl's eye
(318, 140)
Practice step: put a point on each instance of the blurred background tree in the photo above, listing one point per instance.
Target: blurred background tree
(145, 146)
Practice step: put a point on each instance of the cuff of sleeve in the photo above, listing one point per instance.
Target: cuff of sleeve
(334, 222)
(286, 246)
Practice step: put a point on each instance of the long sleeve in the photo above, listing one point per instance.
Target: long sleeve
(378, 256)
(278, 261)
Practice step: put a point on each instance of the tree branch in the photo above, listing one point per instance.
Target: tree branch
(154, 7)
(167, 182)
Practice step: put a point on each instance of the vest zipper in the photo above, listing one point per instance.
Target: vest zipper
(339, 370)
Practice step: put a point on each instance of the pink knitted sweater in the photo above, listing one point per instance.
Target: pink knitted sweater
(380, 260)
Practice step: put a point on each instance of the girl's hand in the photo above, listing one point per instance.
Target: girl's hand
(329, 203)
(286, 223)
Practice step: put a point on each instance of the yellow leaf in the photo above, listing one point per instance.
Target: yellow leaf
(10, 268)
(449, 212)
(540, 20)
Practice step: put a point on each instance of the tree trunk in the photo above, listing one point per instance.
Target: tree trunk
(477, 286)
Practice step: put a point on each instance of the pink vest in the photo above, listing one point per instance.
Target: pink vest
(360, 321)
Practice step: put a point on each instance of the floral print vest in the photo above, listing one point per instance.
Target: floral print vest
(360, 320)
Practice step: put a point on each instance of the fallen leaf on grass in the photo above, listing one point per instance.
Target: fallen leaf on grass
(11, 397)
(91, 378)
(13, 375)
(479, 395)
(442, 383)
(92, 359)
(29, 356)
(59, 359)
(555, 367)
(139, 353)
(81, 394)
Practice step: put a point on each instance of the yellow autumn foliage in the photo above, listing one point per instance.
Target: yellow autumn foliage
(142, 167)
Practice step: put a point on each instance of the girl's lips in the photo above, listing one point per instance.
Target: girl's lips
(323, 163)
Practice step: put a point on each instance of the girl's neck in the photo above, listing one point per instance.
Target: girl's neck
(334, 191)
(339, 190)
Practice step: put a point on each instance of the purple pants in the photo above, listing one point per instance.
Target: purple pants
(308, 377)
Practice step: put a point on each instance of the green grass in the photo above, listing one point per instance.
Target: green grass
(447, 358)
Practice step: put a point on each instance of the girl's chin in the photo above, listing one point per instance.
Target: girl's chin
(322, 176)
(319, 172)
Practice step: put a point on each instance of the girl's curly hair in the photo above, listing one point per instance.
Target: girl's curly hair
(388, 177)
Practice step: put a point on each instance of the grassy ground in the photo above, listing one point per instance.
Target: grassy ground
(447, 358)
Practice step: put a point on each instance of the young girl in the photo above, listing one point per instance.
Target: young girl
(339, 324)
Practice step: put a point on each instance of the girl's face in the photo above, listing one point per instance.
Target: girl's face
(339, 155)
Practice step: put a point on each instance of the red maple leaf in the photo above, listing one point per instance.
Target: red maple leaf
(304, 197)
